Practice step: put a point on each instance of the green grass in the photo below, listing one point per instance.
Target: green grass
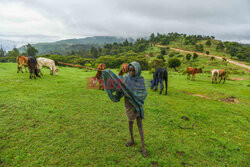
(56, 121)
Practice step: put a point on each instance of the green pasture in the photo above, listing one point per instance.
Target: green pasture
(58, 121)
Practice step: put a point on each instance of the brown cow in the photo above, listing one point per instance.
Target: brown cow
(21, 61)
(98, 76)
(193, 71)
(222, 75)
(124, 69)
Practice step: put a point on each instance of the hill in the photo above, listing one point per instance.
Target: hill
(63, 47)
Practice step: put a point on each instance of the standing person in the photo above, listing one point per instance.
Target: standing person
(134, 91)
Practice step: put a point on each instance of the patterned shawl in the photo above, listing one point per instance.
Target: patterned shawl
(131, 87)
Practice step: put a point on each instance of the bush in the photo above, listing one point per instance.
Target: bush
(195, 56)
(157, 63)
(180, 56)
(173, 63)
(171, 54)
(188, 57)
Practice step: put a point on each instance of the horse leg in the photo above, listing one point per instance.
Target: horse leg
(224, 79)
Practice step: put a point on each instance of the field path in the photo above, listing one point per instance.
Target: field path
(203, 54)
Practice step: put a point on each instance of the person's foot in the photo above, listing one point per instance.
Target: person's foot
(130, 143)
(144, 152)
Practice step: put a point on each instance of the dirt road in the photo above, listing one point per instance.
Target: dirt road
(218, 57)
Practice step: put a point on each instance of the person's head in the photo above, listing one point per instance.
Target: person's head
(131, 71)
(134, 69)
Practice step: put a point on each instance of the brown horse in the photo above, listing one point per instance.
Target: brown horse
(193, 71)
(21, 61)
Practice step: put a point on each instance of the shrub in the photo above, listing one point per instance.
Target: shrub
(188, 57)
(173, 63)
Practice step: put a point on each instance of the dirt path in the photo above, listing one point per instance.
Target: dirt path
(218, 57)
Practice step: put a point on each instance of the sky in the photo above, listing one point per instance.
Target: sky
(51, 20)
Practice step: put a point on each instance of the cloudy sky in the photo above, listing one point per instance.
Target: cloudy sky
(50, 20)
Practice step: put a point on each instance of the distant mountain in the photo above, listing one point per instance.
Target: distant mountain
(8, 45)
(248, 45)
(96, 40)
(69, 45)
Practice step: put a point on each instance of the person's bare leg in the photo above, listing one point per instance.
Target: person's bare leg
(139, 124)
(131, 142)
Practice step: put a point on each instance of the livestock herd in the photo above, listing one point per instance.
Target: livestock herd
(160, 75)
(35, 65)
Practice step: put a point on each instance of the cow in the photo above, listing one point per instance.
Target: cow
(218, 73)
(160, 75)
(45, 62)
(124, 69)
(98, 76)
(193, 71)
(215, 74)
(32, 65)
(222, 75)
(21, 61)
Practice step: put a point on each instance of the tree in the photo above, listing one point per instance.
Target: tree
(157, 63)
(195, 56)
(208, 43)
(31, 51)
(188, 57)
(2, 52)
(160, 57)
(165, 41)
(207, 52)
(199, 48)
(173, 63)
(94, 52)
(163, 51)
(220, 46)
(212, 58)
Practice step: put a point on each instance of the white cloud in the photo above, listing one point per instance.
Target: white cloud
(226, 19)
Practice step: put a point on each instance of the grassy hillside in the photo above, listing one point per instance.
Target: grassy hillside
(57, 121)
(203, 62)
(179, 43)
(69, 45)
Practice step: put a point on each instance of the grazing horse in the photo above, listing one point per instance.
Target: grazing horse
(21, 61)
(98, 76)
(32, 64)
(124, 69)
(160, 75)
(193, 71)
